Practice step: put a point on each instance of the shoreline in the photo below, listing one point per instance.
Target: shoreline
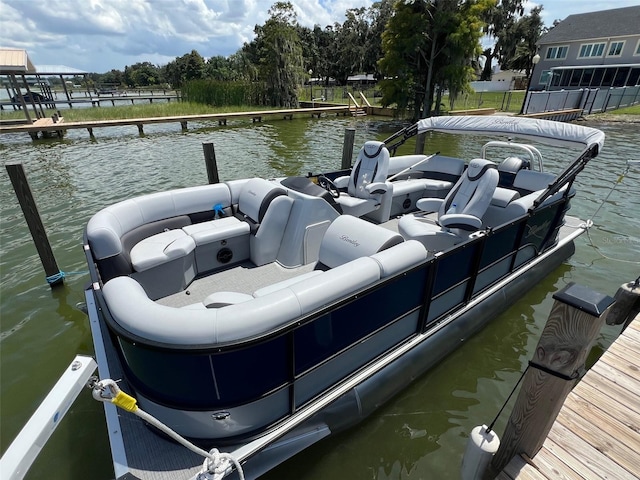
(612, 117)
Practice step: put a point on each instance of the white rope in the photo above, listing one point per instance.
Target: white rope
(589, 222)
(215, 463)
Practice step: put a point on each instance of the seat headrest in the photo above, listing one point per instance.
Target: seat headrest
(477, 168)
(255, 197)
(513, 165)
(372, 148)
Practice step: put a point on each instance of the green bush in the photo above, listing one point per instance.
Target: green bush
(220, 94)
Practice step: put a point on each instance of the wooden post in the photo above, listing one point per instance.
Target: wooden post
(31, 215)
(210, 162)
(420, 143)
(575, 320)
(347, 147)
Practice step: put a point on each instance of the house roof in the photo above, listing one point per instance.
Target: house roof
(15, 61)
(603, 24)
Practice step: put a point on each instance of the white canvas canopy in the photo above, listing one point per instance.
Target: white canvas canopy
(556, 133)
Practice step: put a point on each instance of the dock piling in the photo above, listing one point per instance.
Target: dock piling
(420, 138)
(573, 325)
(210, 162)
(347, 148)
(34, 222)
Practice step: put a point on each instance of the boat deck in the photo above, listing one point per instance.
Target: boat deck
(597, 433)
(245, 278)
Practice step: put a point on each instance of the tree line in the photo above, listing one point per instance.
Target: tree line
(416, 49)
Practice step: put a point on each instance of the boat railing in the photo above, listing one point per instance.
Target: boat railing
(568, 175)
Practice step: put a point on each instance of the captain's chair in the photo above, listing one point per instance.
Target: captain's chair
(366, 185)
(459, 214)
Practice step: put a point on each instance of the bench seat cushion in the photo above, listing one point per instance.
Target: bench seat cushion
(216, 230)
(161, 248)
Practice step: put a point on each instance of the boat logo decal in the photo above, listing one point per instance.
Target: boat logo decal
(345, 238)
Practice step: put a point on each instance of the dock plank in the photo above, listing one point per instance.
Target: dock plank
(602, 431)
(595, 464)
(620, 410)
(552, 467)
(597, 432)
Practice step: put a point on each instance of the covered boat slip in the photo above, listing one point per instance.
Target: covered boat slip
(255, 311)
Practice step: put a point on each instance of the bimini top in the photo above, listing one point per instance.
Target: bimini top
(545, 131)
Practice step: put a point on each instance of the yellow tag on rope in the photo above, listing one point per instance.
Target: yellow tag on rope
(124, 401)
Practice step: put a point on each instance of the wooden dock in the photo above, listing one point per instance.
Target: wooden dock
(597, 433)
(221, 118)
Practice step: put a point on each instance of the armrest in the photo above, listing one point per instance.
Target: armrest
(341, 182)
(461, 221)
(429, 204)
(376, 188)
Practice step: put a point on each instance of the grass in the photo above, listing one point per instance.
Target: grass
(501, 101)
(165, 109)
(635, 110)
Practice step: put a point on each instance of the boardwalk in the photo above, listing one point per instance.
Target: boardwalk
(221, 118)
(597, 434)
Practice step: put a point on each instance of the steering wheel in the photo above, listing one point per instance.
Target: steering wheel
(329, 186)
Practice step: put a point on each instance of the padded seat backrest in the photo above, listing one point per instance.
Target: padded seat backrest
(473, 192)
(528, 181)
(256, 196)
(348, 238)
(372, 165)
(443, 168)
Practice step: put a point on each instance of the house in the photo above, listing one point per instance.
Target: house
(590, 50)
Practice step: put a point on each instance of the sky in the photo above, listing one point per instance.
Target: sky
(100, 35)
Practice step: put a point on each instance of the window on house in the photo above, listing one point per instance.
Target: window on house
(621, 77)
(575, 77)
(615, 49)
(587, 75)
(596, 81)
(591, 50)
(637, 48)
(607, 78)
(556, 53)
(544, 77)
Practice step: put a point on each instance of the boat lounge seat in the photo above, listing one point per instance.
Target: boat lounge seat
(367, 189)
(219, 242)
(161, 248)
(265, 207)
(348, 238)
(459, 214)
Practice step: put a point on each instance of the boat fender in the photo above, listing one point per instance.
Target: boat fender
(481, 447)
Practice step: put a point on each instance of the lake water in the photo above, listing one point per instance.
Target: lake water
(421, 433)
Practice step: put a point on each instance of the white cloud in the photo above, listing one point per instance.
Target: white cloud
(100, 35)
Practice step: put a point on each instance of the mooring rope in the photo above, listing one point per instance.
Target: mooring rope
(490, 427)
(56, 277)
(589, 222)
(215, 462)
